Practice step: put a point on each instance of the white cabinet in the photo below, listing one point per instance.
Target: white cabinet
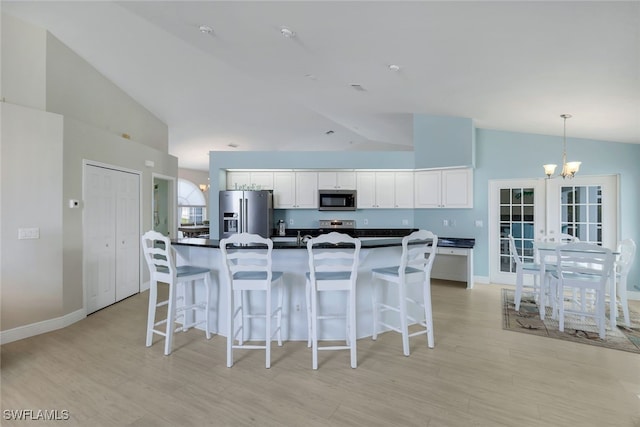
(447, 188)
(295, 190)
(331, 180)
(245, 179)
(385, 190)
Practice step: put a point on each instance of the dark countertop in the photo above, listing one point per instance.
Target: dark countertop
(451, 242)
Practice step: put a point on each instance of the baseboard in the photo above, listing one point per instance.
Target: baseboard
(145, 286)
(633, 295)
(38, 328)
(481, 280)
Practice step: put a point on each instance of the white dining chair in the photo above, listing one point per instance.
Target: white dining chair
(160, 259)
(522, 268)
(585, 267)
(248, 268)
(333, 267)
(412, 282)
(627, 250)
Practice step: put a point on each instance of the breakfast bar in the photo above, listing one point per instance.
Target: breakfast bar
(290, 257)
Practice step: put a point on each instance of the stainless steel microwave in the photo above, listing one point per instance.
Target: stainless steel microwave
(337, 200)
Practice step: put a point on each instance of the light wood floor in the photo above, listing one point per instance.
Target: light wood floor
(477, 375)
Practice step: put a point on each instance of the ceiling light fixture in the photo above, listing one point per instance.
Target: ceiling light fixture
(287, 33)
(232, 145)
(205, 29)
(569, 169)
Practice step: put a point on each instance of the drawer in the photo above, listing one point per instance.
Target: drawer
(453, 251)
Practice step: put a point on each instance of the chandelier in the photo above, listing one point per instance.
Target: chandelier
(569, 169)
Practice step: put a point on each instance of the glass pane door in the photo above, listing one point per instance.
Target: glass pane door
(516, 208)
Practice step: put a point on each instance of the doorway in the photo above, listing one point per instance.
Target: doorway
(164, 202)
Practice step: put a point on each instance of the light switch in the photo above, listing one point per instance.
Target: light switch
(479, 223)
(28, 233)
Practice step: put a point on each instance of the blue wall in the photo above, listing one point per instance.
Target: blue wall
(498, 155)
(443, 141)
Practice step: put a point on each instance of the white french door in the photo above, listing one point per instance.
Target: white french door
(585, 207)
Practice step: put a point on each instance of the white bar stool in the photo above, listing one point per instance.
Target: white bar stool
(247, 258)
(333, 268)
(418, 253)
(160, 259)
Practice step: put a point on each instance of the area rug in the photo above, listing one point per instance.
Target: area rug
(585, 331)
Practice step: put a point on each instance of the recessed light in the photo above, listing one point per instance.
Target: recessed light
(329, 132)
(205, 29)
(286, 32)
(394, 67)
(311, 76)
(232, 145)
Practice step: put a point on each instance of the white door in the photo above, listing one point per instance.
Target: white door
(111, 233)
(127, 235)
(516, 207)
(585, 207)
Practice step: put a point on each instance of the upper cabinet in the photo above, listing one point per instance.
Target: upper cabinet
(385, 190)
(447, 188)
(332, 180)
(237, 180)
(295, 190)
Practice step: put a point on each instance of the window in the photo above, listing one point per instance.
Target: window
(192, 206)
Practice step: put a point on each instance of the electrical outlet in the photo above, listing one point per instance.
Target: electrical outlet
(445, 222)
(479, 223)
(297, 307)
(452, 222)
(290, 221)
(405, 222)
(365, 221)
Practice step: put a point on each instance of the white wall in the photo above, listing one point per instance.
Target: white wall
(23, 63)
(31, 177)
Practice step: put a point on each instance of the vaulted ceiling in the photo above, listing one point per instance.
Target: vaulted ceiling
(244, 85)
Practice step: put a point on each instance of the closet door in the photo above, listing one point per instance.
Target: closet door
(99, 230)
(111, 235)
(127, 225)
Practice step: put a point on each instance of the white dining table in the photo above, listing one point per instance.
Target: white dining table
(545, 250)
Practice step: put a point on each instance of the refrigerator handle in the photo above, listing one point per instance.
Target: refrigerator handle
(246, 215)
(241, 222)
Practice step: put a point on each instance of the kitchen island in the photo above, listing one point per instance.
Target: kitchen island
(291, 258)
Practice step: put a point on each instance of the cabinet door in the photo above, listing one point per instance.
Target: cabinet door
(385, 190)
(346, 180)
(306, 190)
(327, 180)
(428, 189)
(366, 187)
(284, 190)
(404, 190)
(263, 179)
(457, 188)
(235, 180)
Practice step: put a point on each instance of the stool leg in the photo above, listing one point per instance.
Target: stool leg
(352, 328)
(171, 316)
(242, 298)
(207, 310)
(230, 327)
(151, 315)
(314, 327)
(404, 327)
(279, 310)
(267, 327)
(375, 308)
(621, 290)
(309, 321)
(428, 313)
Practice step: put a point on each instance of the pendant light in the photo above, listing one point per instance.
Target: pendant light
(569, 169)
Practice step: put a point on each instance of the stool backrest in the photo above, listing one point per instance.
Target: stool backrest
(245, 253)
(158, 253)
(335, 253)
(418, 251)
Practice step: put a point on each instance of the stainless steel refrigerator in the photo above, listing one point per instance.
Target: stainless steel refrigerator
(246, 212)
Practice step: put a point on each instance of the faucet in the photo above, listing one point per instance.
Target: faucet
(299, 238)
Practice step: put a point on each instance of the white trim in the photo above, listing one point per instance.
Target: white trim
(42, 327)
(144, 286)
